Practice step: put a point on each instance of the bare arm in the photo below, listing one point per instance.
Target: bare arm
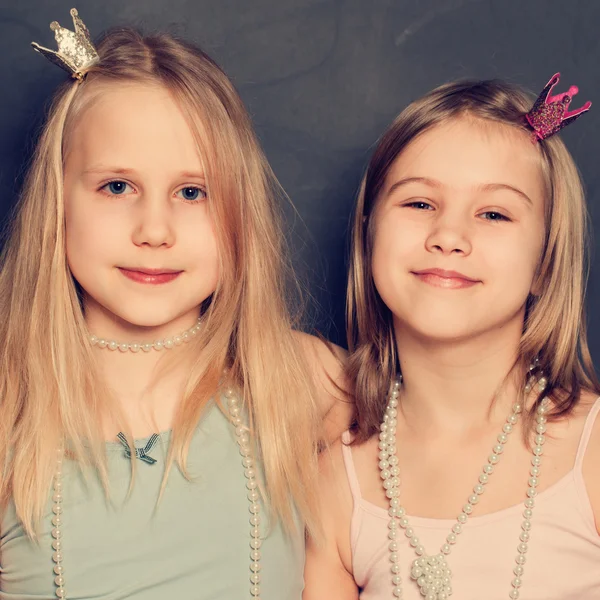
(327, 572)
(591, 471)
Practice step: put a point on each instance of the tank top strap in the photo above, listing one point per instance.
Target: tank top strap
(586, 433)
(349, 466)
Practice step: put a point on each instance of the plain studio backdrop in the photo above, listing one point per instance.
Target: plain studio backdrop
(322, 79)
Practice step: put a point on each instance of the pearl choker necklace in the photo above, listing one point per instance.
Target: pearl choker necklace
(246, 451)
(432, 573)
(167, 343)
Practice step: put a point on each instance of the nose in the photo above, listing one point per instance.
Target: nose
(154, 222)
(449, 235)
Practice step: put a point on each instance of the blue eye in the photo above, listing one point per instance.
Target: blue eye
(191, 193)
(494, 216)
(116, 188)
(420, 205)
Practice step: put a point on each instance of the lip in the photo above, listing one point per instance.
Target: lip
(442, 278)
(150, 276)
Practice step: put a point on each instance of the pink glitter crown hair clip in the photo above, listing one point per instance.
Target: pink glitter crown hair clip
(550, 114)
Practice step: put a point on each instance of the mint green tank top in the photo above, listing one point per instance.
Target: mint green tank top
(193, 545)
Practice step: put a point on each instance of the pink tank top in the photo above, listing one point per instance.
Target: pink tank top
(563, 561)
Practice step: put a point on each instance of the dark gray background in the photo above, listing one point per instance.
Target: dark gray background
(322, 79)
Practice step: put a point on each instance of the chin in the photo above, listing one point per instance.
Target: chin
(147, 314)
(441, 326)
(450, 333)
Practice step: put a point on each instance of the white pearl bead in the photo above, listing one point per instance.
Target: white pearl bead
(432, 572)
(522, 548)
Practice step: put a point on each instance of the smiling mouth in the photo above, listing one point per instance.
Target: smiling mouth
(150, 276)
(441, 278)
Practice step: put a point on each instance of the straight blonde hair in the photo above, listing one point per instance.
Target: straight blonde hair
(554, 329)
(50, 391)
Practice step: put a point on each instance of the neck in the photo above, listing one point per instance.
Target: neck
(457, 385)
(147, 386)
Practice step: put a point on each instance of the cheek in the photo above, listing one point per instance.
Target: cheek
(396, 244)
(90, 234)
(198, 249)
(514, 260)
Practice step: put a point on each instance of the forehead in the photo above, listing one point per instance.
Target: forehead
(138, 125)
(467, 153)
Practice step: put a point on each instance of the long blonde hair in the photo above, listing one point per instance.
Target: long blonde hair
(50, 392)
(554, 329)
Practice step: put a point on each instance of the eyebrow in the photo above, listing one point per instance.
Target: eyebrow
(487, 187)
(95, 170)
(402, 182)
(494, 187)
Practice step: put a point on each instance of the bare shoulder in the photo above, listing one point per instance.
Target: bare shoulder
(328, 362)
(591, 462)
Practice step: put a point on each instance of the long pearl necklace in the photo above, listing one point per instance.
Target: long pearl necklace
(431, 572)
(247, 453)
(165, 344)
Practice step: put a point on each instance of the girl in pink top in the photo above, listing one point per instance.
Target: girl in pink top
(473, 474)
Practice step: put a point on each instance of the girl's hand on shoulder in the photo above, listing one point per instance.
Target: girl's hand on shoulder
(327, 361)
(327, 572)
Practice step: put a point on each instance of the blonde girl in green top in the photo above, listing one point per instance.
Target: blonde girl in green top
(145, 315)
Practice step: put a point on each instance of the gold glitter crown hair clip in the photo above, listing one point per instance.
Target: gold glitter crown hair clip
(76, 52)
